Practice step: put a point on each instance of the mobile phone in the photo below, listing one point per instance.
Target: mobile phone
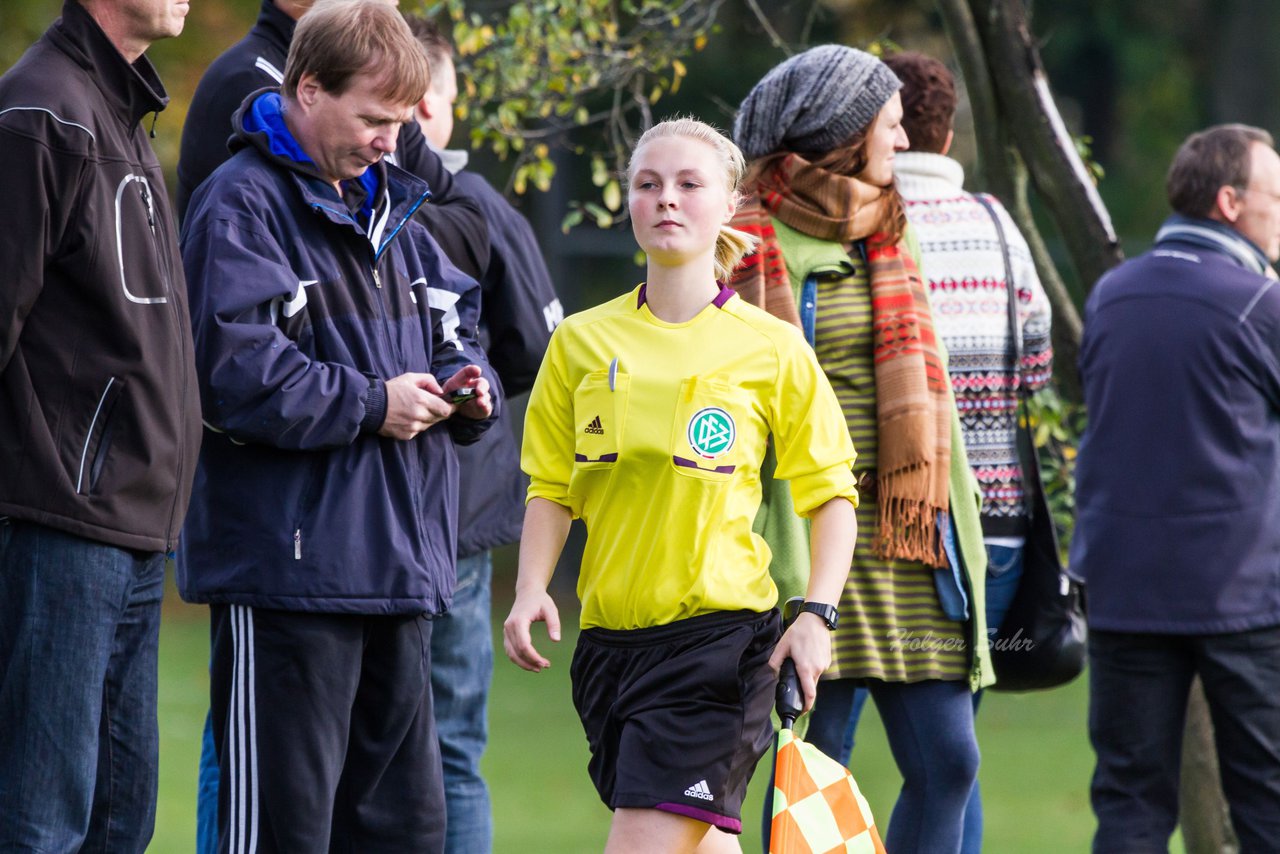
(461, 395)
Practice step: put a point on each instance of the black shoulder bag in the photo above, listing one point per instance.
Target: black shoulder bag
(1041, 643)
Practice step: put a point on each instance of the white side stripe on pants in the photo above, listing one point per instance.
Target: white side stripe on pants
(242, 800)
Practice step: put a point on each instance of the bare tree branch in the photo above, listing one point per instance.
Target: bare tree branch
(768, 27)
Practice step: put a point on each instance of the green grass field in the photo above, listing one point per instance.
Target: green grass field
(1036, 759)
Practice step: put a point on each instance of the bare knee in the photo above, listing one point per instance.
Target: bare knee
(643, 831)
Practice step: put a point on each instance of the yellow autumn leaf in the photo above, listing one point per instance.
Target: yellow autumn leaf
(612, 195)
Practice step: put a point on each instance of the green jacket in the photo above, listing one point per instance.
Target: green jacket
(788, 535)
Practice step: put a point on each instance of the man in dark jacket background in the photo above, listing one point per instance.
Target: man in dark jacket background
(519, 312)
(1178, 495)
(256, 62)
(99, 429)
(331, 334)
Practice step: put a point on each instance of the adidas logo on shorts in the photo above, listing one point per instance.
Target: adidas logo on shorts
(595, 427)
(699, 790)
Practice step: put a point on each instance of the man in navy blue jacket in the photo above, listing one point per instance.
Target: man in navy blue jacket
(1178, 493)
(331, 338)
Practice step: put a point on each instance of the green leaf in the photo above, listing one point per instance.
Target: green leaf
(571, 219)
(612, 195)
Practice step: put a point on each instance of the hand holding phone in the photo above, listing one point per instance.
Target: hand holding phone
(461, 395)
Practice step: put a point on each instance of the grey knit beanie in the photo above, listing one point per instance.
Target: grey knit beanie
(813, 102)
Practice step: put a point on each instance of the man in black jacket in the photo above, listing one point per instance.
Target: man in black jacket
(256, 62)
(99, 428)
(519, 312)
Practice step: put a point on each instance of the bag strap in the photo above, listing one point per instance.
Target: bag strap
(1015, 334)
(1030, 456)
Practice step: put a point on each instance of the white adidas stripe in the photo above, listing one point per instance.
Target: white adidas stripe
(243, 752)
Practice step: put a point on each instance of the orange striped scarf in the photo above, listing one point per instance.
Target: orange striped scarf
(913, 406)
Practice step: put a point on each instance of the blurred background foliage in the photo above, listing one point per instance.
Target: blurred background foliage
(1133, 77)
(553, 93)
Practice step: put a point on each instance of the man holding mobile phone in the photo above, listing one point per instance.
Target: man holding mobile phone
(338, 366)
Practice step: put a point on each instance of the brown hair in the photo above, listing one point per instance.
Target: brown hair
(731, 244)
(339, 39)
(928, 99)
(850, 160)
(434, 42)
(1209, 160)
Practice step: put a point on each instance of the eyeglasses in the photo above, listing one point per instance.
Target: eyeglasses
(1275, 197)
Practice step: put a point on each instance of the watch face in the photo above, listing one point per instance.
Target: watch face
(827, 613)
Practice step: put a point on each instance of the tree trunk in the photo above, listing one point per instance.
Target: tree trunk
(972, 35)
(1025, 103)
(1011, 102)
(1206, 823)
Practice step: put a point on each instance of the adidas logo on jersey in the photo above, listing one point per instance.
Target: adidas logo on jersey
(699, 790)
(595, 427)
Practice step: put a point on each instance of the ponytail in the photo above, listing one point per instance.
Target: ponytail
(732, 246)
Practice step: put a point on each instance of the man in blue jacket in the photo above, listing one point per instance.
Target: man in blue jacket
(333, 343)
(1178, 492)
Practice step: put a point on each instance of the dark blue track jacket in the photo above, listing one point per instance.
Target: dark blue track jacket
(300, 312)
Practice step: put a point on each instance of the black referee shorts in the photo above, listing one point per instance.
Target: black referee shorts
(677, 716)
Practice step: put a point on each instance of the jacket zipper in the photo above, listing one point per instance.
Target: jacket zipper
(146, 201)
(164, 262)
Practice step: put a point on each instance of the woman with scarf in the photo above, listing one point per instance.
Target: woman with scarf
(821, 131)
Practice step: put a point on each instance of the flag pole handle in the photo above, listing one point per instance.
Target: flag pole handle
(787, 699)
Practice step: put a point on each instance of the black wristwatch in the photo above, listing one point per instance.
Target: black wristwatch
(827, 613)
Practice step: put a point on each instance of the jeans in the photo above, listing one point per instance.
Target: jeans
(207, 792)
(79, 741)
(930, 730)
(1004, 571)
(839, 706)
(461, 669)
(1138, 688)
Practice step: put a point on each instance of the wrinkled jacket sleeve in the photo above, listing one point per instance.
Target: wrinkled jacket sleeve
(455, 317)
(455, 220)
(521, 308)
(255, 384)
(39, 186)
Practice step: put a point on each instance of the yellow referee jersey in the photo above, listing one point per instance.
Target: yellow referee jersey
(653, 434)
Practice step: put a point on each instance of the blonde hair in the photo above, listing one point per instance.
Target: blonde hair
(731, 244)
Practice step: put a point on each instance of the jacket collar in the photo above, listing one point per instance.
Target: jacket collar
(132, 91)
(275, 26)
(1214, 236)
(391, 194)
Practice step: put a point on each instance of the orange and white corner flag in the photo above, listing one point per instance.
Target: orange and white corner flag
(817, 808)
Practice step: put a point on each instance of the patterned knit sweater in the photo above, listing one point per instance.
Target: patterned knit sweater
(961, 258)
